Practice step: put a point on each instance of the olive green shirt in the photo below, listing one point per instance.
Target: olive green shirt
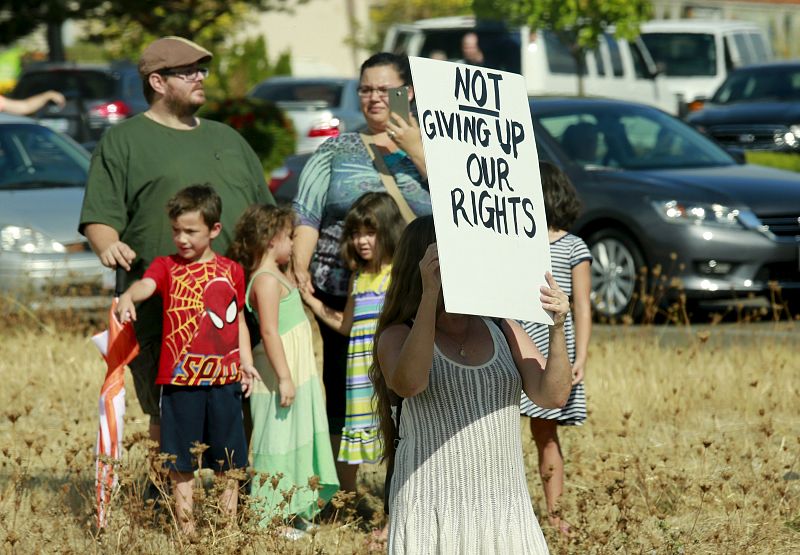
(139, 164)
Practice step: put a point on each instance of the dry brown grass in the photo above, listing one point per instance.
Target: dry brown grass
(691, 447)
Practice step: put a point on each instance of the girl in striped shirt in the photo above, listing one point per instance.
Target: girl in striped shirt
(372, 229)
(571, 261)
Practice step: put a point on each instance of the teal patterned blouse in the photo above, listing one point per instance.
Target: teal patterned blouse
(334, 177)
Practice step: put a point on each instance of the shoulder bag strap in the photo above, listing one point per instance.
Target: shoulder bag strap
(387, 178)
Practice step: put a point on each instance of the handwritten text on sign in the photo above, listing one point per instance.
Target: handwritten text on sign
(480, 92)
(484, 179)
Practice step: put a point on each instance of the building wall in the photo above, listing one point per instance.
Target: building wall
(317, 36)
(780, 18)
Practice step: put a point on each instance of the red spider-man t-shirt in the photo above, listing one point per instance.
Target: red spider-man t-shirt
(202, 300)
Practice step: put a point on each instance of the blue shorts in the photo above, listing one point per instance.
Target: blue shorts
(204, 414)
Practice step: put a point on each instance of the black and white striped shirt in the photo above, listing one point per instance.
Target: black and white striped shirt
(565, 253)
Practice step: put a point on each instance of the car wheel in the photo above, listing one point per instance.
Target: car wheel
(615, 268)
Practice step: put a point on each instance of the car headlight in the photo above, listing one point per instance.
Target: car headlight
(697, 213)
(29, 241)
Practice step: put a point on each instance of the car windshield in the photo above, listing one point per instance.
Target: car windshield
(498, 47)
(683, 54)
(757, 84)
(34, 157)
(289, 91)
(627, 137)
(88, 84)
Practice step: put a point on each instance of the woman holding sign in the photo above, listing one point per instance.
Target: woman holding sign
(458, 484)
(386, 156)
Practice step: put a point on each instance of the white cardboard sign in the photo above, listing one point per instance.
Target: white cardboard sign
(486, 192)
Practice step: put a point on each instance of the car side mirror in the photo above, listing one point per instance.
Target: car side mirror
(737, 154)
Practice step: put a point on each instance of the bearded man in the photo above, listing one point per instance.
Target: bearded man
(141, 163)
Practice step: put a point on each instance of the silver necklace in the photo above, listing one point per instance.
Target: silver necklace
(461, 352)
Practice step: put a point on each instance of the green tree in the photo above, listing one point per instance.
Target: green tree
(128, 24)
(236, 68)
(578, 23)
(19, 18)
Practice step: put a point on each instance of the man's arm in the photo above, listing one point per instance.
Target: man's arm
(25, 106)
(105, 242)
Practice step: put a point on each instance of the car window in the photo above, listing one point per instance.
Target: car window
(32, 156)
(683, 54)
(629, 137)
(743, 48)
(91, 85)
(647, 138)
(759, 48)
(401, 40)
(559, 58)
(639, 65)
(598, 61)
(729, 63)
(501, 47)
(579, 137)
(768, 83)
(616, 57)
(292, 91)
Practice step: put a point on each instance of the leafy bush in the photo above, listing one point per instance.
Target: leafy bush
(262, 124)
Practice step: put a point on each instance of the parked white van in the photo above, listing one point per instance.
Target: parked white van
(696, 55)
(617, 69)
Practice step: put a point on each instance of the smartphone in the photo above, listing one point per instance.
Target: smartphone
(398, 102)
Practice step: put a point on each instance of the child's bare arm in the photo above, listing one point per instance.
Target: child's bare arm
(249, 372)
(266, 293)
(582, 315)
(139, 291)
(341, 322)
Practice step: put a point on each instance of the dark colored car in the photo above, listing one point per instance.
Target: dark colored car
(283, 181)
(658, 193)
(756, 108)
(98, 96)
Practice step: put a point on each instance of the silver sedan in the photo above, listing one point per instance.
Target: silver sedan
(42, 179)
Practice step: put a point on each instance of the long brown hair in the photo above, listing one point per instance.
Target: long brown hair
(378, 212)
(400, 306)
(257, 226)
(562, 206)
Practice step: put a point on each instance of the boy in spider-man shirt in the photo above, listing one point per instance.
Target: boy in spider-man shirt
(206, 364)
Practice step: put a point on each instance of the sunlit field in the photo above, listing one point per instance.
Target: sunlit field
(691, 446)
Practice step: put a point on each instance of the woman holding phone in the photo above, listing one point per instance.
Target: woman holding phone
(386, 156)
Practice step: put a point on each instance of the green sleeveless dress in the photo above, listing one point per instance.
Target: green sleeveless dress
(292, 441)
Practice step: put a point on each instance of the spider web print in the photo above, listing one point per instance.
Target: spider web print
(186, 303)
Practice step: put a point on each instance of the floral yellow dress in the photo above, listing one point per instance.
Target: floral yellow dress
(360, 440)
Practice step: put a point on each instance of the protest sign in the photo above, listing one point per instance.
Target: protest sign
(483, 171)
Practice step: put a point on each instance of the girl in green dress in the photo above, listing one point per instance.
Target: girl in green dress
(290, 446)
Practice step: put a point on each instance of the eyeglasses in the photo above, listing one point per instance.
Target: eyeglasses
(191, 74)
(366, 92)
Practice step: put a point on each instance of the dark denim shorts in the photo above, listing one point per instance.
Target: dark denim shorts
(211, 415)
